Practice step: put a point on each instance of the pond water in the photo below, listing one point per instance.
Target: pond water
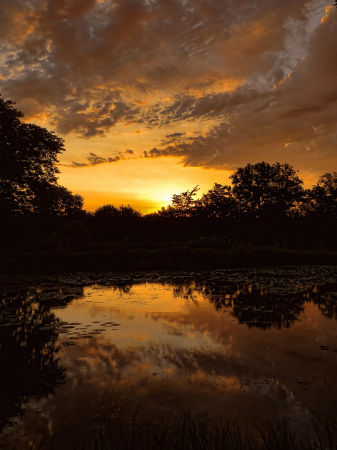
(78, 352)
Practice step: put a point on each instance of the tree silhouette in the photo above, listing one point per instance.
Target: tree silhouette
(218, 202)
(262, 188)
(106, 211)
(184, 203)
(127, 212)
(111, 211)
(57, 200)
(28, 171)
(324, 194)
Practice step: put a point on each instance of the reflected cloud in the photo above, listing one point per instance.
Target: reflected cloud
(247, 342)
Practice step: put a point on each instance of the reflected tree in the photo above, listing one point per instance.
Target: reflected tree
(326, 300)
(255, 307)
(259, 309)
(28, 347)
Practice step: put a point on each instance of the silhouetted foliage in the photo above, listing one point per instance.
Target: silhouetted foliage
(218, 202)
(259, 190)
(262, 188)
(74, 232)
(57, 200)
(28, 157)
(111, 211)
(324, 195)
(106, 211)
(183, 205)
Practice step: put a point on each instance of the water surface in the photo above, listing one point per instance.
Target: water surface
(82, 351)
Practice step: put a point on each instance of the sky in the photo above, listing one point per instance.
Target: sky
(154, 97)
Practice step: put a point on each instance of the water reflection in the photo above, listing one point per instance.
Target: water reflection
(28, 347)
(257, 307)
(327, 303)
(236, 344)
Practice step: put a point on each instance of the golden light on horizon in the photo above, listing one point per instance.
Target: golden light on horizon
(145, 184)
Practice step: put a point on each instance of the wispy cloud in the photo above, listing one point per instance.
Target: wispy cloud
(94, 160)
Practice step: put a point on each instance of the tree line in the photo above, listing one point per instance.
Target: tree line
(28, 184)
(259, 190)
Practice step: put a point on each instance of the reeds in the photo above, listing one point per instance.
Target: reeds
(192, 432)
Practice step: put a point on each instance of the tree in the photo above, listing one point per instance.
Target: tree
(127, 212)
(218, 202)
(106, 211)
(324, 194)
(57, 200)
(184, 203)
(262, 188)
(111, 211)
(28, 171)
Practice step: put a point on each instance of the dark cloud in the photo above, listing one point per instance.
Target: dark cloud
(88, 65)
(174, 135)
(211, 106)
(296, 121)
(94, 160)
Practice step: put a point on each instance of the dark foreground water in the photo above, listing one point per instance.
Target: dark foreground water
(78, 352)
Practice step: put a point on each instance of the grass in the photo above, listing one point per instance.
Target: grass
(191, 432)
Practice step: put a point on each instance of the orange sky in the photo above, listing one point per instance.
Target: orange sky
(147, 95)
(147, 185)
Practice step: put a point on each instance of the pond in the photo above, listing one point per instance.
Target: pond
(82, 351)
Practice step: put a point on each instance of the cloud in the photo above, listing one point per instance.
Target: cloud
(175, 135)
(87, 66)
(87, 46)
(94, 160)
(173, 138)
(295, 121)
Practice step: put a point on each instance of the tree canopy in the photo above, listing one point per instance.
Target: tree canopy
(218, 202)
(324, 194)
(263, 188)
(28, 170)
(113, 212)
(259, 190)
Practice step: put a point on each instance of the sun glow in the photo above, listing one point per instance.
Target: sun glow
(145, 184)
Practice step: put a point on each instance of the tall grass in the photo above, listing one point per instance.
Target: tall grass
(192, 432)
